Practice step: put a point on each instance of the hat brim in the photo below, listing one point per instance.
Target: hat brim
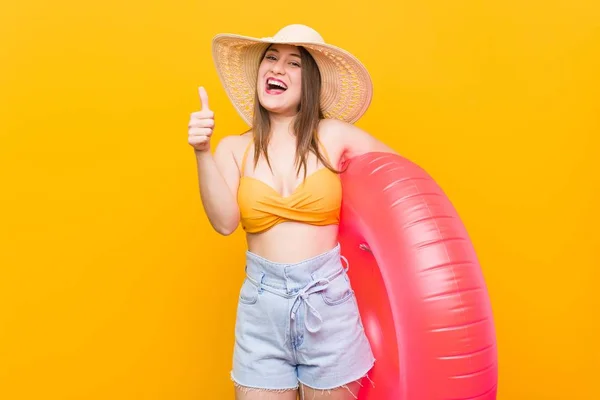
(346, 89)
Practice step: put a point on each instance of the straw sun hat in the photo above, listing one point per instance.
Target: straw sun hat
(346, 88)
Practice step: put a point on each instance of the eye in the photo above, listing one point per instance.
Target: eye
(270, 57)
(295, 64)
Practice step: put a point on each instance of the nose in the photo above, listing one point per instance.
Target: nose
(278, 68)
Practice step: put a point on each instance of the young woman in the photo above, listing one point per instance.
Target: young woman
(298, 329)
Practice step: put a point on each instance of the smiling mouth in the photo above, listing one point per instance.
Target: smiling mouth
(275, 86)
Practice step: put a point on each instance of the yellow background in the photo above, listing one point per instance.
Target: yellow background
(112, 283)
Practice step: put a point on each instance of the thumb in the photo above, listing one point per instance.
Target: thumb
(203, 99)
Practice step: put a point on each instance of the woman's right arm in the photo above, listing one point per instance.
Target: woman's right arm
(218, 177)
(218, 174)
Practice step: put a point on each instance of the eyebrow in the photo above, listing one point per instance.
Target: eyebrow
(277, 51)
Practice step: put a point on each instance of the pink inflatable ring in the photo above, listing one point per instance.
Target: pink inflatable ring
(419, 286)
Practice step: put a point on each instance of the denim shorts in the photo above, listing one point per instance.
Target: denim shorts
(298, 323)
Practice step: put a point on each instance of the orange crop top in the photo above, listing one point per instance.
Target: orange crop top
(316, 201)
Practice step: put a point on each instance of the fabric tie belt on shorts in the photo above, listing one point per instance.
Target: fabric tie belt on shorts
(301, 297)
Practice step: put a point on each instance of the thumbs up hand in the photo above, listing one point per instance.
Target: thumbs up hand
(201, 124)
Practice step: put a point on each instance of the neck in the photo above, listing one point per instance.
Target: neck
(281, 125)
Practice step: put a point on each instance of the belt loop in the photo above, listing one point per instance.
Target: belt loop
(347, 267)
(262, 277)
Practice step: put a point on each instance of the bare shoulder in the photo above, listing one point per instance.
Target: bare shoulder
(329, 128)
(341, 131)
(234, 144)
(230, 150)
(351, 140)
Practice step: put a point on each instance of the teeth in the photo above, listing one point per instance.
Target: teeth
(276, 83)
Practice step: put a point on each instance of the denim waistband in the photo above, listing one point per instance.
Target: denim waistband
(291, 277)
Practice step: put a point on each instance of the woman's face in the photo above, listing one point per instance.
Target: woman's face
(279, 83)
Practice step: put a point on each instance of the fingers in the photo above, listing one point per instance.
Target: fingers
(203, 114)
(197, 141)
(201, 122)
(203, 99)
(201, 132)
(199, 138)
